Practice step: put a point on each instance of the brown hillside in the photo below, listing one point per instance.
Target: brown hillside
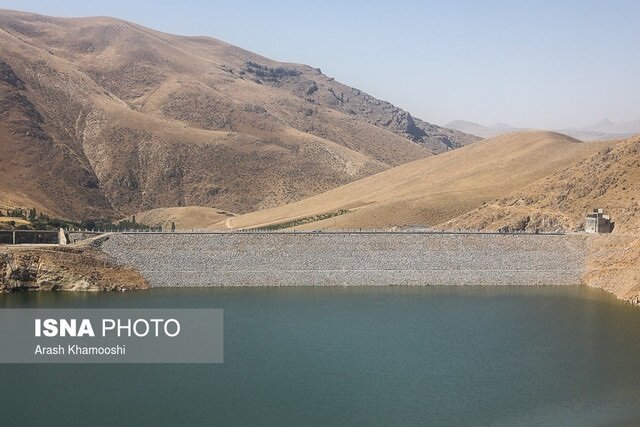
(609, 179)
(102, 117)
(185, 218)
(432, 190)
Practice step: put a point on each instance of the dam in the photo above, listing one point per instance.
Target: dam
(350, 258)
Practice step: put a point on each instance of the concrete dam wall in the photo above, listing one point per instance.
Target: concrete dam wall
(350, 259)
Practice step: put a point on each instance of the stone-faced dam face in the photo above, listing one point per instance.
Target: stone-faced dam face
(350, 259)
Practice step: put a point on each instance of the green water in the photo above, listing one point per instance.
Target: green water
(357, 356)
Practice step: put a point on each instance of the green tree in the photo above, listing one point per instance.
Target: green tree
(16, 213)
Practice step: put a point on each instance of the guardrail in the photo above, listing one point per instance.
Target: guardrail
(16, 237)
(359, 231)
(51, 236)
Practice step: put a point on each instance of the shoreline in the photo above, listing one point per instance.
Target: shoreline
(64, 268)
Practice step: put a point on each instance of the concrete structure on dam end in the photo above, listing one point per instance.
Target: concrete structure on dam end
(350, 259)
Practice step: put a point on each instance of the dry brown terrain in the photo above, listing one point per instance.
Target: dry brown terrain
(65, 269)
(614, 265)
(6, 220)
(433, 190)
(104, 118)
(185, 218)
(609, 178)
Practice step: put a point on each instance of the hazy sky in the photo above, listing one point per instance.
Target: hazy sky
(547, 64)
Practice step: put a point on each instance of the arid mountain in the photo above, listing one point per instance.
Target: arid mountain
(608, 179)
(605, 129)
(601, 131)
(480, 130)
(104, 118)
(585, 135)
(611, 127)
(433, 190)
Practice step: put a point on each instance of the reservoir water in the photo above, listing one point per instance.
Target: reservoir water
(357, 356)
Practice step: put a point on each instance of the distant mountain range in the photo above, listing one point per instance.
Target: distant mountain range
(604, 129)
(607, 126)
(481, 130)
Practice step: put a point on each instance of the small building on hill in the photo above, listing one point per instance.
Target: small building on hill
(598, 222)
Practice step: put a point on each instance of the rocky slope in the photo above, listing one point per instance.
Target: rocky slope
(613, 264)
(66, 269)
(102, 117)
(609, 179)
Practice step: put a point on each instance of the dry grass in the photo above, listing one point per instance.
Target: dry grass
(185, 218)
(18, 221)
(101, 117)
(433, 190)
(609, 178)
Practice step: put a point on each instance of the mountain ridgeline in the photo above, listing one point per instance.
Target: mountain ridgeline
(104, 118)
